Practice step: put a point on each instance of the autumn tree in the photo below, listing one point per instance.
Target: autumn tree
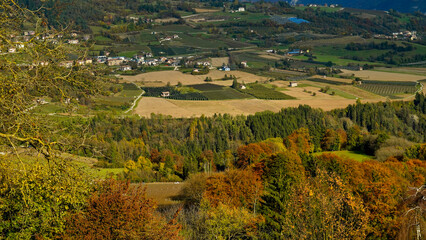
(35, 202)
(234, 188)
(225, 222)
(252, 153)
(117, 210)
(299, 141)
(323, 207)
(330, 141)
(35, 71)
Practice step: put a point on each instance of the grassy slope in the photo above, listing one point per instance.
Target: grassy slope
(357, 156)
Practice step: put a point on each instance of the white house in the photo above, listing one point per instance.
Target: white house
(67, 64)
(165, 94)
(293, 84)
(125, 68)
(73, 41)
(225, 68)
(241, 9)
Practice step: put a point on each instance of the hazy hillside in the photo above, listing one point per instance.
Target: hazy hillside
(402, 6)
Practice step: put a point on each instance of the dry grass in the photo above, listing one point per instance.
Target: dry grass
(185, 109)
(217, 62)
(163, 77)
(407, 70)
(166, 20)
(204, 10)
(162, 193)
(271, 56)
(384, 76)
(343, 80)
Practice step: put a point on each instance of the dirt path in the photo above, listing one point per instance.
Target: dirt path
(135, 102)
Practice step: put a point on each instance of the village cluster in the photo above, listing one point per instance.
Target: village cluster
(405, 35)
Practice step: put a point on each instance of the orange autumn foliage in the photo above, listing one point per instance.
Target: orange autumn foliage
(299, 141)
(234, 188)
(117, 210)
(252, 154)
(381, 186)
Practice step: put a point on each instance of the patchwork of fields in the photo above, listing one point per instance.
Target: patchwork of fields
(262, 95)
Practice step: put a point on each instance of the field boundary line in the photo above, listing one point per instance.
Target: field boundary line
(135, 102)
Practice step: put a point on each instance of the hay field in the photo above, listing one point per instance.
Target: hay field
(205, 10)
(161, 78)
(271, 56)
(384, 76)
(408, 70)
(163, 193)
(185, 109)
(343, 80)
(166, 20)
(217, 62)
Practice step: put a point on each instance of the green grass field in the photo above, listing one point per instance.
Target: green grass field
(120, 100)
(106, 172)
(226, 93)
(357, 156)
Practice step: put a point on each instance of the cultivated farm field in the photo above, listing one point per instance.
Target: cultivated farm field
(174, 77)
(384, 76)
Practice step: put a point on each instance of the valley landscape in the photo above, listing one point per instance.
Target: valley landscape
(146, 119)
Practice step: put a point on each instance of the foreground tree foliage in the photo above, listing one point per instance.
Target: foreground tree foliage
(36, 201)
(36, 70)
(118, 210)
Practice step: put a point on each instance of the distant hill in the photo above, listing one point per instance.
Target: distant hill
(399, 5)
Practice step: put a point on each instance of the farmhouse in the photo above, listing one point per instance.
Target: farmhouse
(114, 61)
(293, 84)
(73, 41)
(165, 94)
(67, 64)
(125, 68)
(295, 52)
(244, 64)
(225, 68)
(88, 61)
(80, 62)
(241, 9)
(101, 59)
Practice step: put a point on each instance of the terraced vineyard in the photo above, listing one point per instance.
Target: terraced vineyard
(389, 89)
